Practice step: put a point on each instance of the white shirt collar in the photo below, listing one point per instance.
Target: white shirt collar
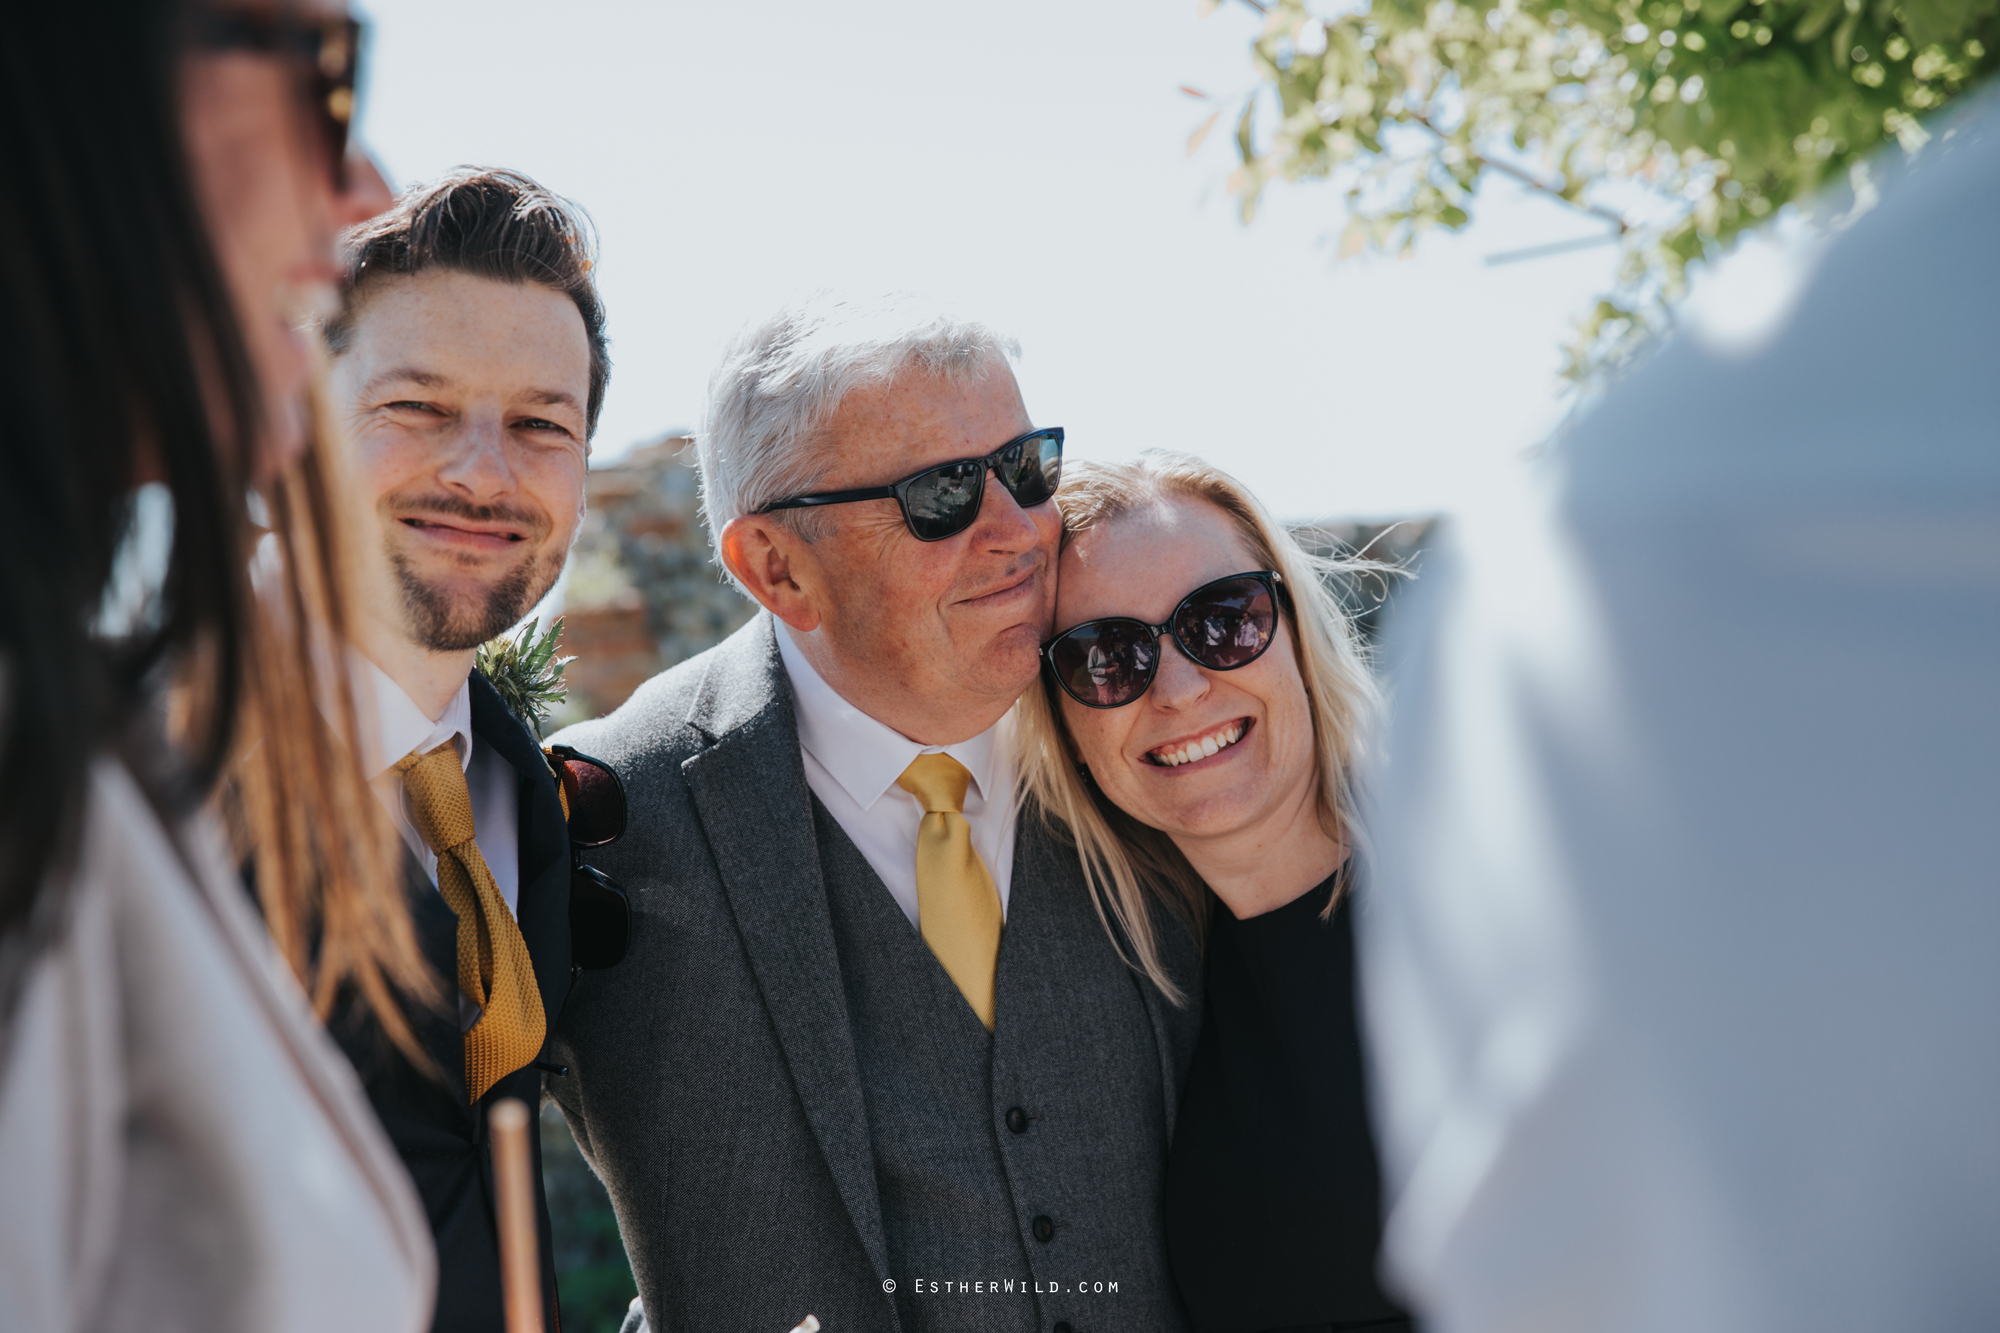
(392, 725)
(866, 756)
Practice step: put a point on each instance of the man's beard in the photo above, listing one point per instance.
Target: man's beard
(443, 623)
(446, 623)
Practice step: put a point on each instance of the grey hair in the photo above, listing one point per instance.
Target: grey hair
(782, 380)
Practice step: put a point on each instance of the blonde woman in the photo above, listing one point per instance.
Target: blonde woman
(1197, 717)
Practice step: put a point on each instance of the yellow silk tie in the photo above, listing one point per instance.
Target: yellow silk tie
(493, 964)
(958, 909)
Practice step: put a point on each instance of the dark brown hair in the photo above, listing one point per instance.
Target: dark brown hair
(110, 301)
(121, 358)
(490, 223)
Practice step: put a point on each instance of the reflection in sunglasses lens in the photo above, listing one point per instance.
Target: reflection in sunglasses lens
(1107, 663)
(1229, 626)
(939, 502)
(1034, 470)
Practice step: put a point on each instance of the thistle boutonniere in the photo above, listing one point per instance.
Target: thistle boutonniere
(526, 672)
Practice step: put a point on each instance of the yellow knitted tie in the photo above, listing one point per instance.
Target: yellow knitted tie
(493, 964)
(958, 909)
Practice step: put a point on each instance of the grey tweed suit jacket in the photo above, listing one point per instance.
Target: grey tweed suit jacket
(713, 1082)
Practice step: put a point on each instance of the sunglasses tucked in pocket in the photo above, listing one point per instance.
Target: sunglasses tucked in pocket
(600, 915)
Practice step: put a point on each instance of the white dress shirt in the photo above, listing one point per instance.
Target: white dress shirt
(852, 763)
(1680, 950)
(392, 726)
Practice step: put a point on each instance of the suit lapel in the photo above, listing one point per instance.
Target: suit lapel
(750, 791)
(1045, 856)
(542, 906)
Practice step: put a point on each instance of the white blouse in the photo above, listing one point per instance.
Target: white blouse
(182, 1147)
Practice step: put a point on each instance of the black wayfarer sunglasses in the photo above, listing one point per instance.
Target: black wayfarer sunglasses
(1223, 625)
(593, 799)
(942, 501)
(327, 50)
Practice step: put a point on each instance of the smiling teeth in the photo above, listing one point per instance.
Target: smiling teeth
(1213, 743)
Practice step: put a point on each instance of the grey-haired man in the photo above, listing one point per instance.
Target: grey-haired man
(825, 1080)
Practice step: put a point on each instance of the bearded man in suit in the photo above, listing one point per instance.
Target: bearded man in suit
(469, 366)
(872, 1055)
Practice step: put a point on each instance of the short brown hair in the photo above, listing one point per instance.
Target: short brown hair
(491, 223)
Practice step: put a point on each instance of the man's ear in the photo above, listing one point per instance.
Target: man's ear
(769, 559)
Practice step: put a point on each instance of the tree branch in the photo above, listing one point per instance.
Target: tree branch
(1506, 169)
(1552, 248)
(1532, 182)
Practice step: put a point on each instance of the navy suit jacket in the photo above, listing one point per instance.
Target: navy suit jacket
(442, 1138)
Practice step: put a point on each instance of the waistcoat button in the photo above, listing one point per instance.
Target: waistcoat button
(1045, 1230)
(1062, 1326)
(1017, 1120)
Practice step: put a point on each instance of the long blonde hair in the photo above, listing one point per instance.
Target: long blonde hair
(1128, 865)
(328, 861)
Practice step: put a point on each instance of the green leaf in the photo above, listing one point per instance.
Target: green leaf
(525, 672)
(1819, 14)
(1200, 135)
(1928, 21)
(1759, 105)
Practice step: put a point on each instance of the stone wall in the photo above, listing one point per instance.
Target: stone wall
(643, 593)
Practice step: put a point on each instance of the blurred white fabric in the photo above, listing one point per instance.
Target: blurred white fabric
(1682, 958)
(183, 1149)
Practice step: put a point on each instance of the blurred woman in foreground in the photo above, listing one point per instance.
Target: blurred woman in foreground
(1200, 706)
(182, 1146)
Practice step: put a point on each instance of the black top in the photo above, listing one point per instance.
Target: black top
(1273, 1192)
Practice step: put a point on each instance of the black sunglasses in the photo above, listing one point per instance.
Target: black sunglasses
(593, 799)
(1223, 625)
(327, 50)
(942, 501)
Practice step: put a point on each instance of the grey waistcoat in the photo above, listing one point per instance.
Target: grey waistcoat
(781, 1134)
(980, 1142)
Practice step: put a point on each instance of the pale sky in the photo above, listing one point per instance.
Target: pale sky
(1027, 163)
